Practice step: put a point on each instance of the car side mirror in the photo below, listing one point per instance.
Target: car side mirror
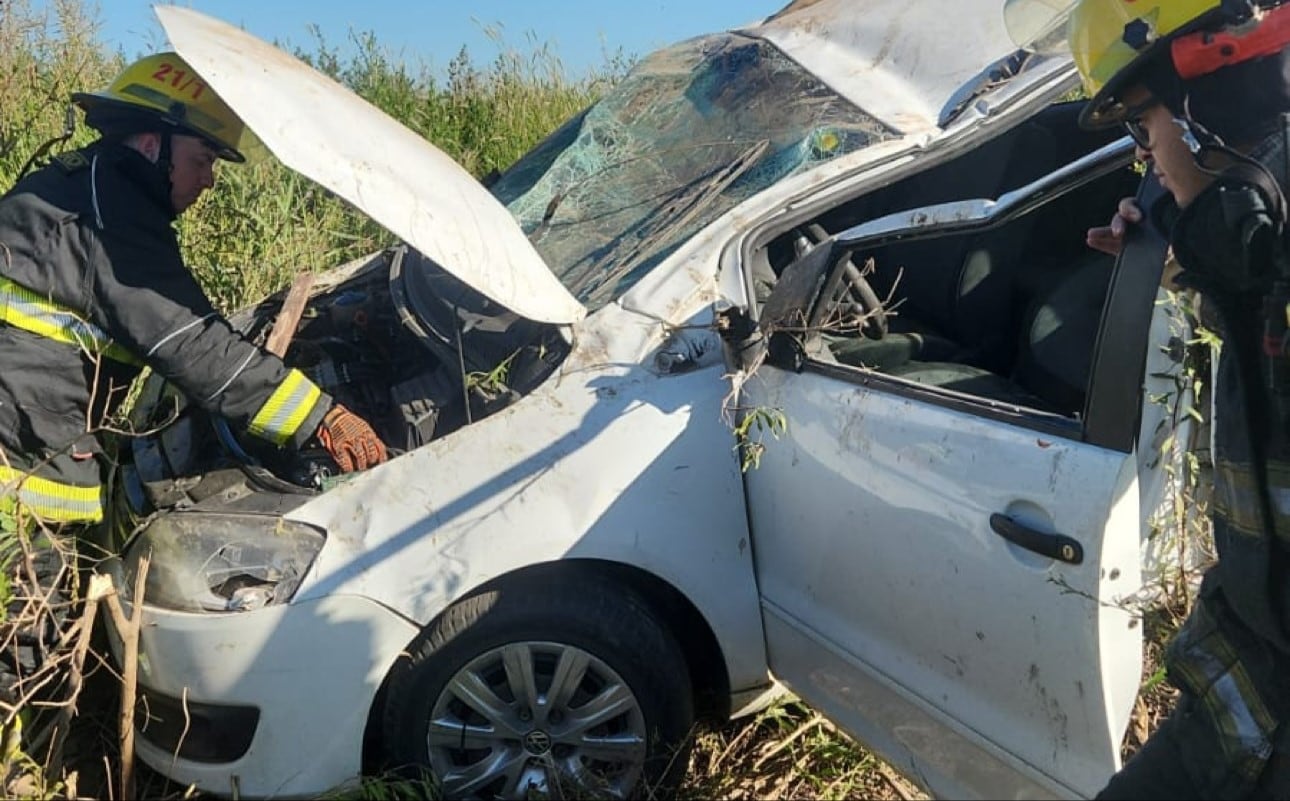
(797, 291)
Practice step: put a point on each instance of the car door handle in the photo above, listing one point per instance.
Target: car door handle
(1054, 546)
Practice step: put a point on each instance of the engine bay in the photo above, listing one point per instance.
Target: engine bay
(396, 339)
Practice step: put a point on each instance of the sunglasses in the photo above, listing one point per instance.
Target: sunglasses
(1133, 122)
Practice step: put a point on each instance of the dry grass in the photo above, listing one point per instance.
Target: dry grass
(788, 751)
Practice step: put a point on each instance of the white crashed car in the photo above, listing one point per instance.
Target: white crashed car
(783, 365)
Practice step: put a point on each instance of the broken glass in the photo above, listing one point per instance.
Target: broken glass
(690, 133)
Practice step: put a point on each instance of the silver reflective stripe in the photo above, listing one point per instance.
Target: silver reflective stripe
(233, 377)
(179, 331)
(1239, 720)
(94, 190)
(1207, 664)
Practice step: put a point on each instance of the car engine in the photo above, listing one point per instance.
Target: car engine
(378, 338)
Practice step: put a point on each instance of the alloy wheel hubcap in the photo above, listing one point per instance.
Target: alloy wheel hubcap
(538, 717)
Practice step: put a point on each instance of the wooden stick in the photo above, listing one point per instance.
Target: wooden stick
(76, 678)
(284, 328)
(128, 629)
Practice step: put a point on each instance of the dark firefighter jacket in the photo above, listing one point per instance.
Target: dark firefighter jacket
(1233, 652)
(92, 287)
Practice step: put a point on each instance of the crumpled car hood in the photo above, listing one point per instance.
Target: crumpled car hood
(329, 134)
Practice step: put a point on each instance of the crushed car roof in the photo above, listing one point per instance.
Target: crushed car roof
(899, 60)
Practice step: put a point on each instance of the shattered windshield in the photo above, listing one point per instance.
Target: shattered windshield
(693, 130)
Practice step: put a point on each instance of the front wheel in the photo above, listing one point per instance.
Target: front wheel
(568, 687)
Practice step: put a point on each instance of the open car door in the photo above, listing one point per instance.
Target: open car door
(942, 549)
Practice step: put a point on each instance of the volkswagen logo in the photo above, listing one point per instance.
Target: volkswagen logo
(537, 742)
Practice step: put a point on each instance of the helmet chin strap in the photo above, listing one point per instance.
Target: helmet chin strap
(1242, 170)
(164, 164)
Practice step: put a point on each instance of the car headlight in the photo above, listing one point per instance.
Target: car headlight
(204, 562)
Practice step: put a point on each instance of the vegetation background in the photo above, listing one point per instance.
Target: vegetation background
(263, 224)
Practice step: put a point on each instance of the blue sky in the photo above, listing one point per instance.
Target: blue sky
(580, 32)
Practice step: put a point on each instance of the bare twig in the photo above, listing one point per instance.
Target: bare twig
(128, 629)
(744, 733)
(897, 783)
(815, 720)
(76, 680)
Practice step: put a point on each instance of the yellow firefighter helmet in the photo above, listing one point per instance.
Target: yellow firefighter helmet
(162, 88)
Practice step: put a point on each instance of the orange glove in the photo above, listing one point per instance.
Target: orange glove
(350, 440)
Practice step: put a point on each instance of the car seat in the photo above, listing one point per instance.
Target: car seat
(1056, 353)
(959, 293)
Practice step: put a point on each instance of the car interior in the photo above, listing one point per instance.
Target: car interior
(1009, 314)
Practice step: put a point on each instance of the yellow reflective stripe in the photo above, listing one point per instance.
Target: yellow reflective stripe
(1236, 497)
(54, 500)
(1279, 490)
(22, 308)
(1210, 666)
(282, 414)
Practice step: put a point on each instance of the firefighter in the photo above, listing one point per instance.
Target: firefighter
(93, 288)
(1203, 87)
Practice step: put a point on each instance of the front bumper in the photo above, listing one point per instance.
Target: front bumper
(302, 675)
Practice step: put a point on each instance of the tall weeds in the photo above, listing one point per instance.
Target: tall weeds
(44, 57)
(263, 224)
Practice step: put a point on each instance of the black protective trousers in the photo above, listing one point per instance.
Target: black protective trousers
(1183, 759)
